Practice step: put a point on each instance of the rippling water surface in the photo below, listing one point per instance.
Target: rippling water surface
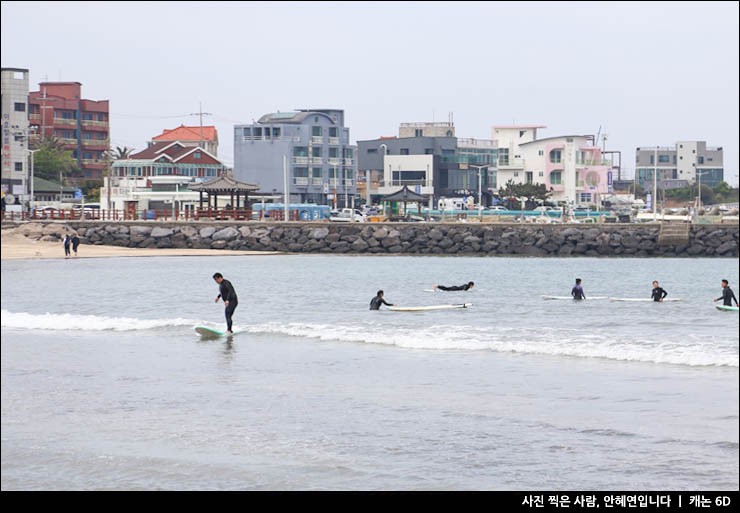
(105, 385)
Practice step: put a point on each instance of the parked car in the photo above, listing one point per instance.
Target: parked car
(347, 215)
(543, 208)
(498, 208)
(46, 212)
(88, 210)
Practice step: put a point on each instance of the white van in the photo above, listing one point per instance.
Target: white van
(450, 203)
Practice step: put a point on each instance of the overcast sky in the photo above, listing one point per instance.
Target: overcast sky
(646, 73)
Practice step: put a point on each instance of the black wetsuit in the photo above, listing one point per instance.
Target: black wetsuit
(75, 242)
(228, 294)
(577, 292)
(727, 296)
(377, 301)
(658, 294)
(455, 287)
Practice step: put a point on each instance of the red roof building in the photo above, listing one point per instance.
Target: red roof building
(204, 136)
(82, 126)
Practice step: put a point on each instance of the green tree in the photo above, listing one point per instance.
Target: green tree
(722, 188)
(52, 162)
(535, 193)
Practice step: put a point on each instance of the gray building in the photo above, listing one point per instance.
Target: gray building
(679, 165)
(321, 163)
(457, 163)
(15, 170)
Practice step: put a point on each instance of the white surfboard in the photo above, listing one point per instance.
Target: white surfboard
(588, 298)
(426, 308)
(644, 299)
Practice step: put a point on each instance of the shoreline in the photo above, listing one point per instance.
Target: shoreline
(15, 246)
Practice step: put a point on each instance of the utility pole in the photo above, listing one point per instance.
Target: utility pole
(200, 113)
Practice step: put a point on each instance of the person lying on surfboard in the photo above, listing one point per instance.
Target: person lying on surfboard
(467, 286)
(727, 294)
(378, 300)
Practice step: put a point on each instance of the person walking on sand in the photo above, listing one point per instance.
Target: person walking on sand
(75, 242)
(228, 294)
(466, 286)
(378, 300)
(66, 242)
(728, 296)
(658, 292)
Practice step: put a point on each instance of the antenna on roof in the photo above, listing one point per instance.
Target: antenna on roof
(201, 114)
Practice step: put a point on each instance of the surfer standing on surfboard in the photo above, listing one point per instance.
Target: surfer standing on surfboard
(727, 294)
(228, 294)
(467, 286)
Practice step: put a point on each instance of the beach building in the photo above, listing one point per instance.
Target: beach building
(15, 154)
(307, 148)
(681, 165)
(158, 178)
(204, 136)
(58, 111)
(572, 167)
(429, 159)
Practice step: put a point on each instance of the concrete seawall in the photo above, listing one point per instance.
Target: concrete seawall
(641, 240)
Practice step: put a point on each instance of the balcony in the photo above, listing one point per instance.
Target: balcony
(65, 121)
(95, 125)
(334, 141)
(511, 164)
(317, 181)
(300, 180)
(317, 139)
(300, 160)
(94, 142)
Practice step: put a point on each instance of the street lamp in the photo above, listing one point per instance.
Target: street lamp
(30, 204)
(480, 192)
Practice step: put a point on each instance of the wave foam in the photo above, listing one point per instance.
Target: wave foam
(73, 322)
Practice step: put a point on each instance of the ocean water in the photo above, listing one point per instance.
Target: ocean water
(105, 385)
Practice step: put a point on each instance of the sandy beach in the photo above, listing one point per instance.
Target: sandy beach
(15, 245)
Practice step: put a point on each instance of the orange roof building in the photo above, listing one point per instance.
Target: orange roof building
(206, 137)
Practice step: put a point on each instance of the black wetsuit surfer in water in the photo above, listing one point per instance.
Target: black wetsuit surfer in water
(467, 286)
(228, 294)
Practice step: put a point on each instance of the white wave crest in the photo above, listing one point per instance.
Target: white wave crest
(545, 341)
(73, 322)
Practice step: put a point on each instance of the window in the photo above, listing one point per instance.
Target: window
(316, 151)
(372, 151)
(317, 172)
(333, 132)
(317, 131)
(541, 153)
(516, 173)
(701, 160)
(19, 166)
(521, 133)
(348, 153)
(20, 107)
(404, 151)
(652, 159)
(418, 132)
(556, 177)
(585, 197)
(197, 155)
(333, 153)
(556, 156)
(300, 151)
(541, 173)
(503, 157)
(275, 132)
(664, 159)
(428, 151)
(300, 172)
(247, 132)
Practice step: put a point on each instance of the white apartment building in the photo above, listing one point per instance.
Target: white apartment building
(15, 154)
(570, 166)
